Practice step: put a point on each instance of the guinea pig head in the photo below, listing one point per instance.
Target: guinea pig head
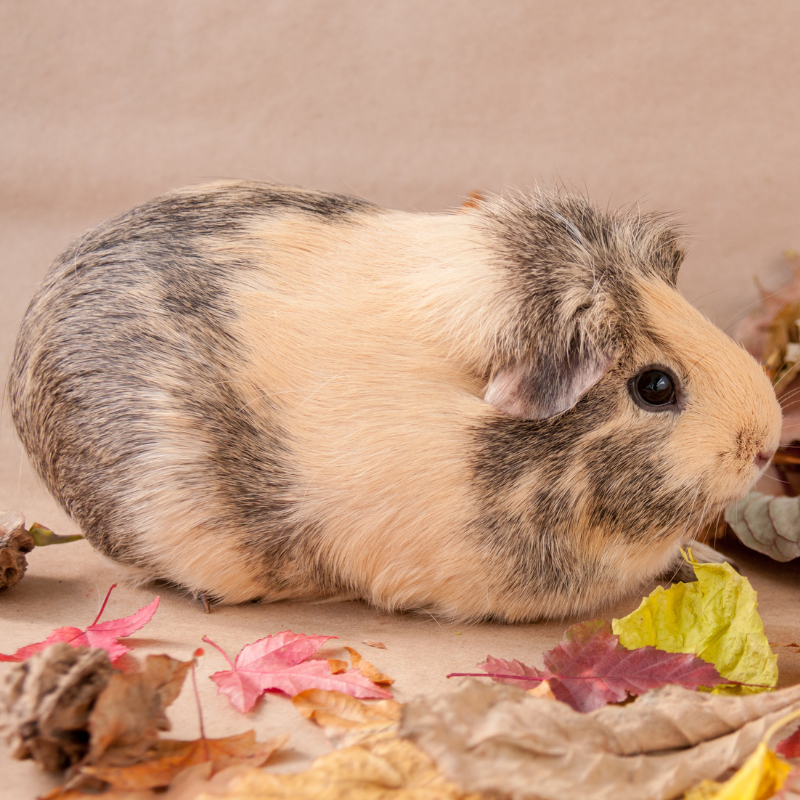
(630, 416)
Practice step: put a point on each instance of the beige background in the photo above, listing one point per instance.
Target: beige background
(685, 106)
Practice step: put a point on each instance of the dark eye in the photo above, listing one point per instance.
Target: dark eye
(653, 389)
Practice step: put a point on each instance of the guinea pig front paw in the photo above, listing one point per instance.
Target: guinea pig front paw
(681, 571)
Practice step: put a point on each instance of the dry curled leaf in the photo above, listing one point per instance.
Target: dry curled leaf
(501, 741)
(129, 715)
(767, 524)
(373, 643)
(590, 668)
(368, 670)
(759, 778)
(15, 543)
(375, 769)
(344, 718)
(46, 701)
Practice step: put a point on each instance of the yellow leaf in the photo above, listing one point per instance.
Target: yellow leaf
(715, 618)
(383, 769)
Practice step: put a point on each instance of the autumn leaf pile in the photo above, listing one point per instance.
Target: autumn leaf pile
(771, 332)
(80, 704)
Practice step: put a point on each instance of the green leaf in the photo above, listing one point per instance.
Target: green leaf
(715, 618)
(44, 536)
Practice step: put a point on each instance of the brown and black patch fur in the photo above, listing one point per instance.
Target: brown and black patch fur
(258, 391)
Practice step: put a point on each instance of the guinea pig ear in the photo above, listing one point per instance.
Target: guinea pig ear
(547, 386)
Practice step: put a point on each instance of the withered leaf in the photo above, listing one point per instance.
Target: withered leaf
(367, 669)
(45, 704)
(15, 543)
(767, 524)
(168, 758)
(375, 769)
(129, 714)
(501, 741)
(374, 643)
(342, 716)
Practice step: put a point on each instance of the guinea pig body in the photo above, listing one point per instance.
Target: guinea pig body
(261, 392)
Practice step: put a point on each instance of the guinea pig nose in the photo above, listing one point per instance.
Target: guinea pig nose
(763, 457)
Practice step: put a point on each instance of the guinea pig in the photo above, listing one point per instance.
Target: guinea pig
(505, 412)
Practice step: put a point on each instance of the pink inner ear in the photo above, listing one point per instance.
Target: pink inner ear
(519, 392)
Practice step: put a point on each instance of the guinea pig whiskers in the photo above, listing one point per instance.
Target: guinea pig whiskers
(321, 386)
(748, 307)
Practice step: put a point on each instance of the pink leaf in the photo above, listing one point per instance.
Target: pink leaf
(590, 668)
(103, 635)
(280, 663)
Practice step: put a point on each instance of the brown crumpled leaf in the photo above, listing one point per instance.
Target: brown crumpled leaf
(498, 740)
(15, 542)
(128, 716)
(344, 718)
(378, 768)
(46, 701)
(767, 524)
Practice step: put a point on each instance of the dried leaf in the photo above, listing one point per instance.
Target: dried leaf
(126, 720)
(15, 543)
(767, 524)
(368, 670)
(43, 537)
(169, 757)
(102, 635)
(344, 717)
(758, 331)
(759, 778)
(379, 769)
(715, 618)
(280, 662)
(45, 704)
(373, 643)
(500, 741)
(590, 668)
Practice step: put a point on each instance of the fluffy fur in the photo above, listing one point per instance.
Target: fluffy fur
(261, 392)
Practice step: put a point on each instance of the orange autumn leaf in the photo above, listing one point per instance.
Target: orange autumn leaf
(368, 670)
(170, 757)
(337, 666)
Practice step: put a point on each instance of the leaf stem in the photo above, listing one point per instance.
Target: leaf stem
(103, 607)
(199, 707)
(224, 654)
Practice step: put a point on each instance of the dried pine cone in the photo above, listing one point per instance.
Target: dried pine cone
(15, 541)
(45, 704)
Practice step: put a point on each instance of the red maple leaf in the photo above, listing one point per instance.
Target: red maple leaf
(590, 668)
(99, 634)
(280, 662)
(790, 748)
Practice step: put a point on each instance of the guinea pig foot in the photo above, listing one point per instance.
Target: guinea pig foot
(683, 572)
(205, 600)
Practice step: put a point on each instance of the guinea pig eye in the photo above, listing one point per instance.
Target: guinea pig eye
(653, 389)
